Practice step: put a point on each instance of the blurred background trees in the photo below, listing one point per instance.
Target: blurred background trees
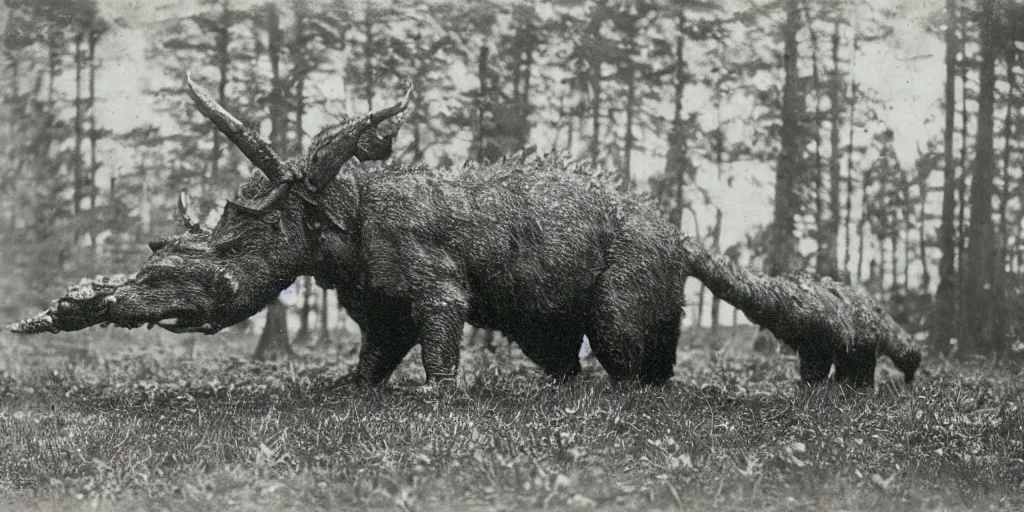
(759, 126)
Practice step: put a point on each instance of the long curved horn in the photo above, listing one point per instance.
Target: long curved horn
(341, 142)
(376, 144)
(254, 147)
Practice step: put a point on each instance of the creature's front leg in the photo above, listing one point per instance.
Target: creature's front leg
(381, 351)
(440, 315)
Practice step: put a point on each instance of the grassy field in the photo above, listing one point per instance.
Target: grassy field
(102, 420)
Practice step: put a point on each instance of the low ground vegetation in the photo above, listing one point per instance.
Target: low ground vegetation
(116, 420)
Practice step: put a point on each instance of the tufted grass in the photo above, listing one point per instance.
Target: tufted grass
(148, 422)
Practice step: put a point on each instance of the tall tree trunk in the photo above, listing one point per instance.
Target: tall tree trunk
(270, 346)
(595, 116)
(847, 219)
(965, 170)
(978, 304)
(882, 264)
(630, 142)
(524, 99)
(16, 108)
(278, 104)
(146, 224)
(834, 179)
(222, 39)
(922, 238)
(482, 100)
(43, 225)
(861, 222)
(79, 132)
(700, 305)
(907, 213)
(1008, 150)
(324, 340)
(368, 55)
(782, 257)
(716, 241)
(53, 59)
(595, 107)
(305, 334)
(676, 157)
(822, 265)
(14, 111)
(894, 245)
(631, 107)
(1018, 238)
(94, 37)
(274, 341)
(569, 125)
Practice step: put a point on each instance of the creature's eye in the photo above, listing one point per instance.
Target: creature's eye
(233, 250)
(229, 248)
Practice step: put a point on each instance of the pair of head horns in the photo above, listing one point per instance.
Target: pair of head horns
(367, 137)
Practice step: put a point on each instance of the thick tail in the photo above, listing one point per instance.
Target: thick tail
(741, 289)
(783, 306)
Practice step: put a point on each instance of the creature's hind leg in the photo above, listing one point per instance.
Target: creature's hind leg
(556, 351)
(856, 367)
(659, 358)
(634, 333)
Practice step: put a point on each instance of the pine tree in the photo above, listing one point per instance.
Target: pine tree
(783, 255)
(978, 332)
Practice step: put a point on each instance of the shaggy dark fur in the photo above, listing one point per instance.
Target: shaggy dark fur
(543, 251)
(534, 249)
(826, 322)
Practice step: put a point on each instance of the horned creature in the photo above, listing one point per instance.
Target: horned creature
(534, 249)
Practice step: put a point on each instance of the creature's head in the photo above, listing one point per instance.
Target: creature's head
(181, 287)
(203, 282)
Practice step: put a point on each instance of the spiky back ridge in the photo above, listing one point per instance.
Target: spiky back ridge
(531, 232)
(524, 167)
